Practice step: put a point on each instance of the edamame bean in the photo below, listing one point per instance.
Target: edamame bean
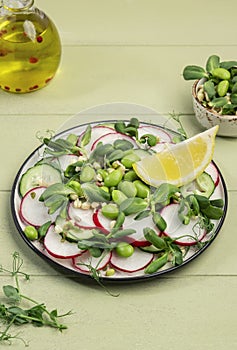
(110, 211)
(118, 196)
(103, 173)
(142, 189)
(130, 176)
(110, 272)
(157, 264)
(31, 233)
(222, 88)
(76, 186)
(124, 249)
(221, 73)
(113, 178)
(87, 174)
(128, 188)
(129, 159)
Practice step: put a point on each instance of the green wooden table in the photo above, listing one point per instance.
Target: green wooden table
(132, 52)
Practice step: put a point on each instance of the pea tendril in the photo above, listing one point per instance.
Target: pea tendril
(14, 314)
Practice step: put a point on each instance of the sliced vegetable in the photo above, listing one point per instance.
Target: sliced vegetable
(59, 247)
(38, 176)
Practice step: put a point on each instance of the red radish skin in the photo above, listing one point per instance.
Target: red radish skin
(136, 262)
(213, 172)
(32, 211)
(81, 261)
(101, 221)
(111, 137)
(58, 248)
(175, 229)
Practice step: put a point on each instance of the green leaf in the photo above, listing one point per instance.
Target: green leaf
(55, 202)
(133, 205)
(193, 72)
(95, 193)
(212, 63)
(86, 137)
(12, 293)
(209, 87)
(228, 64)
(218, 102)
(233, 98)
(123, 233)
(163, 193)
(57, 188)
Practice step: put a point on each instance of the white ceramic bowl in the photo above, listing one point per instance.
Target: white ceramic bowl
(227, 123)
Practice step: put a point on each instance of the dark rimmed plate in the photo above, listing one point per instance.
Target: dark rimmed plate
(66, 264)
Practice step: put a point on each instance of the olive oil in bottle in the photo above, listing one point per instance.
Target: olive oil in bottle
(30, 47)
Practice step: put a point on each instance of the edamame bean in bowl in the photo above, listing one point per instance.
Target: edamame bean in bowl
(82, 203)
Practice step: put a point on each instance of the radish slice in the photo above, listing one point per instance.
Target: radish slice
(137, 239)
(67, 160)
(32, 211)
(81, 261)
(111, 137)
(136, 262)
(101, 221)
(182, 234)
(156, 131)
(82, 218)
(96, 132)
(213, 172)
(58, 248)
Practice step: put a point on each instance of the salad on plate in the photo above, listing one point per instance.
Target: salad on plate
(103, 199)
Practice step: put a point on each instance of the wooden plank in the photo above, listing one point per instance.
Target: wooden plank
(168, 312)
(142, 22)
(90, 76)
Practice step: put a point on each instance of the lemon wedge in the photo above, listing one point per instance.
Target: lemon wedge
(180, 163)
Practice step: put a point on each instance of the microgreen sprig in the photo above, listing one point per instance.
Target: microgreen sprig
(13, 314)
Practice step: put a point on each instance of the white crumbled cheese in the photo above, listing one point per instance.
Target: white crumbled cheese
(77, 203)
(94, 205)
(99, 178)
(85, 205)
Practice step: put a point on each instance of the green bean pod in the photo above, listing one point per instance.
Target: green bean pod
(159, 221)
(212, 212)
(157, 264)
(217, 202)
(152, 237)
